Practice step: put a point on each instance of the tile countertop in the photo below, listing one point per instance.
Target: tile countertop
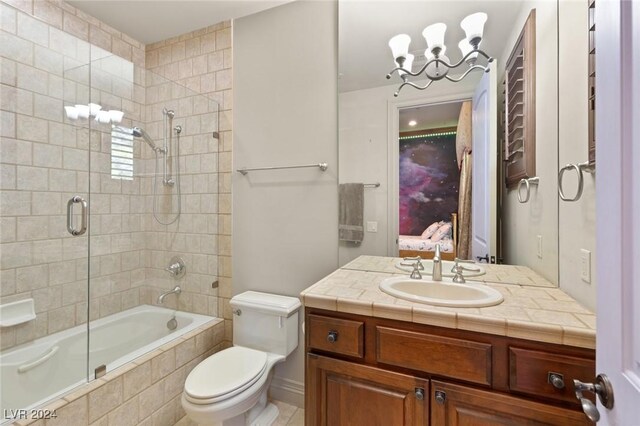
(533, 308)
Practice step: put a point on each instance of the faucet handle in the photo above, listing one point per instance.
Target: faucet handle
(464, 268)
(418, 261)
(177, 267)
(458, 277)
(415, 274)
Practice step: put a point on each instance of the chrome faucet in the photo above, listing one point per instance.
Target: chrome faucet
(436, 275)
(176, 290)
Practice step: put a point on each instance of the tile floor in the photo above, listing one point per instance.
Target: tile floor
(290, 415)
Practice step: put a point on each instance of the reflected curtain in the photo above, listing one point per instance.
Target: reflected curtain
(463, 151)
(464, 208)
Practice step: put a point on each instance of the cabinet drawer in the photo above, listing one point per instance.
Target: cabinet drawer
(529, 373)
(336, 335)
(442, 356)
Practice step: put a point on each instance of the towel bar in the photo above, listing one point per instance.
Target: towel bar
(321, 166)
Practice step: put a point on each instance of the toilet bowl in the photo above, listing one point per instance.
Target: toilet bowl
(230, 387)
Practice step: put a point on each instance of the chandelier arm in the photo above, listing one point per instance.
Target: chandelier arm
(475, 67)
(461, 61)
(415, 86)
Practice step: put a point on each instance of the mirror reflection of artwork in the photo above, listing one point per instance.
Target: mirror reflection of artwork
(429, 180)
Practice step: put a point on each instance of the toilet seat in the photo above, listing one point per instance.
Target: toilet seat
(224, 374)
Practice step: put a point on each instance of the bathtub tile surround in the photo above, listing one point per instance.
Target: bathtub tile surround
(200, 61)
(55, 55)
(44, 159)
(145, 391)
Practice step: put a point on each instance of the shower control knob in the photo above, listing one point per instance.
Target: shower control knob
(332, 337)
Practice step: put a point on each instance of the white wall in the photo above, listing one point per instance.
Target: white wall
(285, 222)
(522, 223)
(364, 151)
(577, 219)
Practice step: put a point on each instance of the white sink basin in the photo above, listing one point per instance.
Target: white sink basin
(447, 265)
(442, 293)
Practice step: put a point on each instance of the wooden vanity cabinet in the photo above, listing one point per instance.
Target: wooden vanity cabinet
(462, 405)
(363, 370)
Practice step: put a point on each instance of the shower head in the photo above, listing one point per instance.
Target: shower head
(140, 133)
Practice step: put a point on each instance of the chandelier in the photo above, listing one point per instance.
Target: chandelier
(438, 64)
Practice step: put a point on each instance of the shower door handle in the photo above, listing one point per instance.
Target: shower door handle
(83, 214)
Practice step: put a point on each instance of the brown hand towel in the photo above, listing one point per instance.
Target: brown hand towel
(351, 200)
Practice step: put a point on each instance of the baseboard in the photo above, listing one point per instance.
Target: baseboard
(288, 391)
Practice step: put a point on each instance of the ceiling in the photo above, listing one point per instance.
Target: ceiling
(149, 21)
(366, 26)
(430, 116)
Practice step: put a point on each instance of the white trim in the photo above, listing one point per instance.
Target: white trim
(287, 390)
(393, 117)
(617, 187)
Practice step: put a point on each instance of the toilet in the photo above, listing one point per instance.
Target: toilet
(229, 388)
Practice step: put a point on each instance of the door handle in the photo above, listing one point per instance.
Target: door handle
(602, 387)
(83, 215)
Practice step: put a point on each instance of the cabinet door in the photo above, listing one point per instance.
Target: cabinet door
(343, 393)
(460, 405)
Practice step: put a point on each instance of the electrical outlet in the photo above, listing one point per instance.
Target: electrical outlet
(372, 226)
(585, 265)
(539, 247)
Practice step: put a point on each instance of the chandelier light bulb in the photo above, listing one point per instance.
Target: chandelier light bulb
(116, 116)
(399, 46)
(94, 109)
(473, 26)
(434, 35)
(408, 62)
(465, 48)
(83, 111)
(72, 112)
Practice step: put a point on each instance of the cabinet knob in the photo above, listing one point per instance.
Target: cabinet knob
(440, 397)
(556, 379)
(332, 337)
(419, 394)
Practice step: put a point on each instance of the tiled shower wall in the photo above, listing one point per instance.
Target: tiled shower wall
(201, 61)
(45, 51)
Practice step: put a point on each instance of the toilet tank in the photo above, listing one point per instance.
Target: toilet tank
(266, 322)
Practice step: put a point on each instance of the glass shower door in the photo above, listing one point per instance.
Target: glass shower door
(44, 156)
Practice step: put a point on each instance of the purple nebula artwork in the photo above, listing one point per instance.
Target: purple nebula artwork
(429, 181)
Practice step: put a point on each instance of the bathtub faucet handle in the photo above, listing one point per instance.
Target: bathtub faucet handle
(177, 267)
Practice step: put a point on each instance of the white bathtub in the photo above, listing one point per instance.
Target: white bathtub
(46, 368)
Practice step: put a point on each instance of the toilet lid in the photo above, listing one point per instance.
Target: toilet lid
(224, 372)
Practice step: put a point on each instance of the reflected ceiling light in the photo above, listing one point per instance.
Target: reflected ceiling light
(412, 123)
(438, 64)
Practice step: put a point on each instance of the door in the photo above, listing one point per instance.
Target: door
(617, 206)
(460, 405)
(345, 393)
(484, 194)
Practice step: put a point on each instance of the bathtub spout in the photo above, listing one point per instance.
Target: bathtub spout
(176, 290)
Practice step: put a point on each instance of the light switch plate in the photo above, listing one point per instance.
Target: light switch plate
(585, 265)
(372, 226)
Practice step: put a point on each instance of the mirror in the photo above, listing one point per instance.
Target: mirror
(500, 205)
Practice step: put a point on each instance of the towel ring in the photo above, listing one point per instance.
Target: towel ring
(527, 182)
(579, 168)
